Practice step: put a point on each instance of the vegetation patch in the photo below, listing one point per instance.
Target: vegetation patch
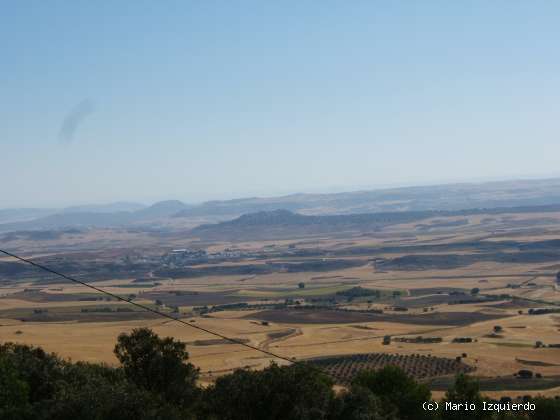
(345, 368)
(418, 340)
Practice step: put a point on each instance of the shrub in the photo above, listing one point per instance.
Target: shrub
(462, 340)
(525, 374)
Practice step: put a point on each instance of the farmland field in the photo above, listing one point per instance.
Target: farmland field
(455, 297)
(344, 368)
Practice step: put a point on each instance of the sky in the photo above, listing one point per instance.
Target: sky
(195, 100)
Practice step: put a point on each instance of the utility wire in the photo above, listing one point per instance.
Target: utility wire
(146, 308)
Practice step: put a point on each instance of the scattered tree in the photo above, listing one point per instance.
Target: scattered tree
(157, 364)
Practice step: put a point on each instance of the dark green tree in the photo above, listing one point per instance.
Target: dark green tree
(396, 390)
(158, 365)
(296, 392)
(359, 403)
(14, 393)
(546, 409)
(38, 369)
(91, 392)
(465, 390)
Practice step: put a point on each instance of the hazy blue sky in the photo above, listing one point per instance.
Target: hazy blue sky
(146, 100)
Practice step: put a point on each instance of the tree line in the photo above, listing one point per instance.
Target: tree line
(154, 381)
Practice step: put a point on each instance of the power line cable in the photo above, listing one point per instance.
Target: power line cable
(146, 308)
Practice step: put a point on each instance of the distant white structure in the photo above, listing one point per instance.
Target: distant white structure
(180, 257)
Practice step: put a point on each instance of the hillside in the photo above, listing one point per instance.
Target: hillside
(435, 197)
(286, 224)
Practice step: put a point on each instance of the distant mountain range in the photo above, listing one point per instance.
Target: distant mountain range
(99, 216)
(409, 199)
(26, 214)
(105, 208)
(437, 197)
